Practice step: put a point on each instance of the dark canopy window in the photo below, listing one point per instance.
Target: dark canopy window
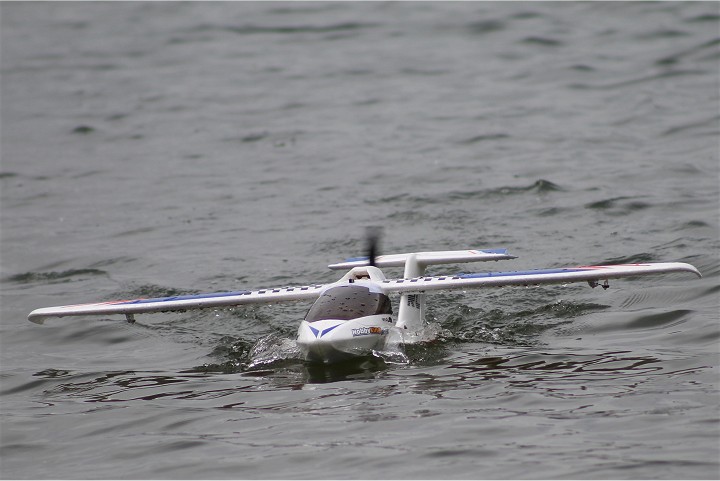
(348, 302)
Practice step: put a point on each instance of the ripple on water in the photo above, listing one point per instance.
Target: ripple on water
(70, 275)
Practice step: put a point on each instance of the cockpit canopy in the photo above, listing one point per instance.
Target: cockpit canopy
(348, 302)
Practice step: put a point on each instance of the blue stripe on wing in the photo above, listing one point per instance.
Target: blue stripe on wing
(186, 297)
(493, 251)
(519, 273)
(357, 259)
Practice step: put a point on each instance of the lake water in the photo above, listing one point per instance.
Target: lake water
(153, 149)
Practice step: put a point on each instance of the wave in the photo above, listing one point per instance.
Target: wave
(70, 275)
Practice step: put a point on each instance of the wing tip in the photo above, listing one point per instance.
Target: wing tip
(692, 268)
(36, 317)
(681, 267)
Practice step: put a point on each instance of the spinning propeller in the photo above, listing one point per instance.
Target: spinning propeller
(373, 235)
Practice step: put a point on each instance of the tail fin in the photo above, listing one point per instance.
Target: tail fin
(427, 258)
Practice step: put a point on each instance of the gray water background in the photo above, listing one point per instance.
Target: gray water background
(172, 148)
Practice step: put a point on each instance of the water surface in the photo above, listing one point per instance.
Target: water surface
(153, 149)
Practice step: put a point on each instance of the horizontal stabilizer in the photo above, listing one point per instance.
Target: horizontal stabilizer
(591, 274)
(428, 258)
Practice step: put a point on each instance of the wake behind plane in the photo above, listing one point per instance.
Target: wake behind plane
(353, 317)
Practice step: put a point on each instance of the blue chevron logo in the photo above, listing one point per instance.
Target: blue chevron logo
(319, 333)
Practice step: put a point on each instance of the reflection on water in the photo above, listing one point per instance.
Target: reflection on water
(566, 374)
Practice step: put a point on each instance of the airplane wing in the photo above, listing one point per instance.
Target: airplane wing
(180, 303)
(590, 274)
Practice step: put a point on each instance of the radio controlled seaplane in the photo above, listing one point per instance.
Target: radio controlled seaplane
(353, 316)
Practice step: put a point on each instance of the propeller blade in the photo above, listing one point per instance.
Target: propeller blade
(373, 235)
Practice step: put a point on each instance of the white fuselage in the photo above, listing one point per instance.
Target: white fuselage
(353, 317)
(331, 340)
